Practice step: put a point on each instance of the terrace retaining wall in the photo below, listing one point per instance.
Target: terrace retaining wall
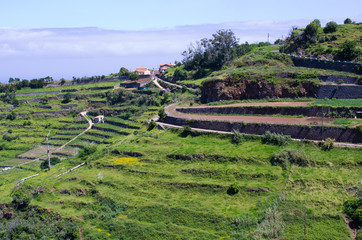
(351, 135)
(322, 64)
(339, 91)
(266, 110)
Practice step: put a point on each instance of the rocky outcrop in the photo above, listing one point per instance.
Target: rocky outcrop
(244, 88)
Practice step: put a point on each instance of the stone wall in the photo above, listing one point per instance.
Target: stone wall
(351, 135)
(340, 91)
(265, 110)
(323, 64)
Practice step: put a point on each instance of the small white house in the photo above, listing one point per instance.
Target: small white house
(99, 118)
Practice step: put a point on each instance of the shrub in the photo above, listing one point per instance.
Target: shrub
(347, 51)
(67, 98)
(21, 200)
(87, 151)
(11, 116)
(44, 100)
(275, 138)
(233, 189)
(330, 27)
(187, 131)
(133, 76)
(353, 209)
(327, 145)
(347, 21)
(8, 137)
(53, 162)
(237, 137)
(359, 235)
(334, 38)
(162, 115)
(311, 30)
(152, 125)
(272, 226)
(286, 157)
(183, 89)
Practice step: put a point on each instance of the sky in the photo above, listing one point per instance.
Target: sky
(65, 38)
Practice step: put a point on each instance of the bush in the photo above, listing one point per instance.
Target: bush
(311, 30)
(53, 162)
(327, 145)
(233, 189)
(133, 76)
(67, 98)
(237, 137)
(87, 151)
(152, 125)
(347, 21)
(275, 138)
(334, 38)
(359, 235)
(272, 226)
(21, 200)
(187, 131)
(286, 157)
(162, 115)
(8, 137)
(11, 116)
(353, 209)
(330, 27)
(347, 51)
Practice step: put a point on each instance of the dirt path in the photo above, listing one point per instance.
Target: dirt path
(171, 111)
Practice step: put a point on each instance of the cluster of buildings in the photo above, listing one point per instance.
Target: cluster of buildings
(144, 71)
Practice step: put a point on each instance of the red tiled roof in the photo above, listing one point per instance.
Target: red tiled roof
(141, 69)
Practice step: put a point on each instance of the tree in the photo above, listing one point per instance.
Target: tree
(211, 53)
(347, 21)
(278, 42)
(134, 76)
(123, 72)
(311, 30)
(318, 22)
(330, 27)
(62, 81)
(347, 51)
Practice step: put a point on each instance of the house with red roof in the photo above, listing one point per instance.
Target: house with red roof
(164, 67)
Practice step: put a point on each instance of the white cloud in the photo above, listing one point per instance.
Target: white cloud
(53, 49)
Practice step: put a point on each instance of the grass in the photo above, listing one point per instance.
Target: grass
(81, 87)
(164, 185)
(188, 198)
(338, 102)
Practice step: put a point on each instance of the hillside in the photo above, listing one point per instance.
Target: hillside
(136, 177)
(327, 44)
